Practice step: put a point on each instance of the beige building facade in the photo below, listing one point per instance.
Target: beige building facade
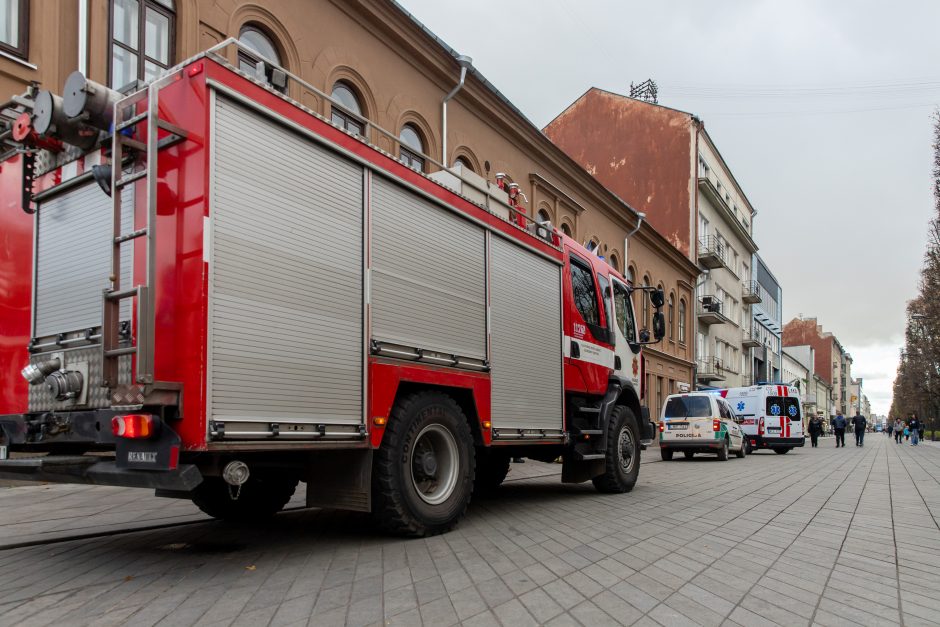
(378, 60)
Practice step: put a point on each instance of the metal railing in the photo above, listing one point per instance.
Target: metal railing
(221, 54)
(711, 367)
(712, 245)
(709, 303)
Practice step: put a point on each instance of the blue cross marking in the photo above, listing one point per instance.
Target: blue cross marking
(775, 410)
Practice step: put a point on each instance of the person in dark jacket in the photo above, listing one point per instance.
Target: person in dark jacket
(859, 422)
(815, 429)
(838, 425)
(915, 427)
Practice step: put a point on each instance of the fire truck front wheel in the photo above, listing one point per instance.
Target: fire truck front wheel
(622, 466)
(422, 477)
(257, 499)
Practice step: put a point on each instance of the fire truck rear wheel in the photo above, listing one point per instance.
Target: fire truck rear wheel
(622, 466)
(259, 498)
(422, 476)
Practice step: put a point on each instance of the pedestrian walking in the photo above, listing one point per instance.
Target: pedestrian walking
(815, 429)
(915, 426)
(898, 430)
(838, 424)
(889, 428)
(859, 422)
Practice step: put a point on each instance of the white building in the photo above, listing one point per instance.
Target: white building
(725, 291)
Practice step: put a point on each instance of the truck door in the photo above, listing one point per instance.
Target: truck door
(626, 349)
(588, 340)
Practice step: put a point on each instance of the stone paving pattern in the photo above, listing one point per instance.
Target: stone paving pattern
(820, 536)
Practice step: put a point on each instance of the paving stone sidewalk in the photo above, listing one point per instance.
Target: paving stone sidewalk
(819, 536)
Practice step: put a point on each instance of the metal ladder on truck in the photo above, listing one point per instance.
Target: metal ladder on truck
(142, 156)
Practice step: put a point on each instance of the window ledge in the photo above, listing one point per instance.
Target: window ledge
(12, 57)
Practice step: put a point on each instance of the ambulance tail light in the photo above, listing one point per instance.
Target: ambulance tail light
(760, 426)
(134, 426)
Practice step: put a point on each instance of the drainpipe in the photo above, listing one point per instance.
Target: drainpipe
(83, 37)
(640, 216)
(465, 63)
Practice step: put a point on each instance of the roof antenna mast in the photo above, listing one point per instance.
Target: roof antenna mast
(647, 91)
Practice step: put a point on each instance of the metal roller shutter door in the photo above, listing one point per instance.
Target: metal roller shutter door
(428, 275)
(73, 258)
(286, 324)
(526, 339)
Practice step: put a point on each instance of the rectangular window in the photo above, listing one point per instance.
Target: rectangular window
(688, 407)
(14, 27)
(624, 312)
(584, 292)
(142, 40)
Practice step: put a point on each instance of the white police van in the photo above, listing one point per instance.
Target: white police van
(699, 422)
(772, 415)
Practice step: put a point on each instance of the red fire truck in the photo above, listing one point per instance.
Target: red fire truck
(209, 290)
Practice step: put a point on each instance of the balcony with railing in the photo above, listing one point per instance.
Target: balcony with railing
(751, 292)
(708, 310)
(751, 339)
(711, 252)
(710, 369)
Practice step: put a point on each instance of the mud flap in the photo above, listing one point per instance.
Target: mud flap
(350, 489)
(577, 471)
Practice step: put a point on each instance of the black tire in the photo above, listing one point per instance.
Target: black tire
(622, 463)
(435, 423)
(781, 451)
(747, 445)
(723, 451)
(259, 498)
(666, 454)
(740, 453)
(689, 454)
(491, 470)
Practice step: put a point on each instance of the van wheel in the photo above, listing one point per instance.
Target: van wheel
(781, 451)
(665, 453)
(423, 473)
(257, 499)
(622, 463)
(723, 451)
(688, 454)
(741, 452)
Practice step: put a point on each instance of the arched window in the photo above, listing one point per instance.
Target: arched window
(646, 303)
(614, 262)
(260, 48)
(412, 147)
(542, 216)
(671, 316)
(682, 321)
(142, 39)
(464, 164)
(566, 229)
(347, 97)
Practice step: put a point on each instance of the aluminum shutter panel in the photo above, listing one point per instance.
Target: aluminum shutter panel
(286, 341)
(73, 258)
(428, 274)
(526, 339)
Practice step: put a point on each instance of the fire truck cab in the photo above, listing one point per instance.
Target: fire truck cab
(215, 292)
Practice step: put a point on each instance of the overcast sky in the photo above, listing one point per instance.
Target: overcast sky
(821, 109)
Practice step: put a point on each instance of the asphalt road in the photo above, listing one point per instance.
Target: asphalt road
(826, 536)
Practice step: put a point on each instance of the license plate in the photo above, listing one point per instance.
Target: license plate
(773, 429)
(680, 427)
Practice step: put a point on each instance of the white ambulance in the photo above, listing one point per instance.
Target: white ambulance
(772, 415)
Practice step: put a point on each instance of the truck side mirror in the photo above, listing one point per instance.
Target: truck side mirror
(658, 298)
(659, 325)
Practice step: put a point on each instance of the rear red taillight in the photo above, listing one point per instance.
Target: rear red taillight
(760, 426)
(662, 426)
(134, 426)
(716, 425)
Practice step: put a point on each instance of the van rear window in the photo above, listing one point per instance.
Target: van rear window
(688, 407)
(780, 406)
